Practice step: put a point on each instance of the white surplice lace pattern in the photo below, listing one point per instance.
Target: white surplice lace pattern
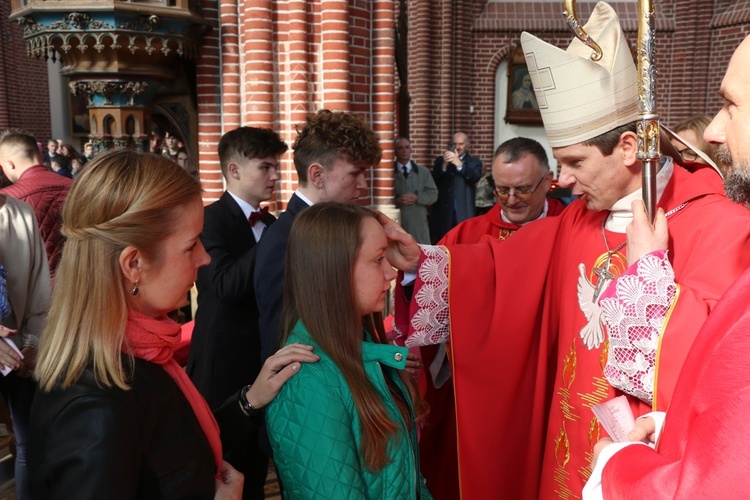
(634, 318)
(430, 322)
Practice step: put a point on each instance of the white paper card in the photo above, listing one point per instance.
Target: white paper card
(616, 417)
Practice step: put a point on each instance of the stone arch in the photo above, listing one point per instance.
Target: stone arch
(497, 59)
(131, 127)
(109, 126)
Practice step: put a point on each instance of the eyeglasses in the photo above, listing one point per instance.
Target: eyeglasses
(504, 193)
(688, 154)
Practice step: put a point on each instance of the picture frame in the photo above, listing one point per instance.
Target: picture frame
(522, 106)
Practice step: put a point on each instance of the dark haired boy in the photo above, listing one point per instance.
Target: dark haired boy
(225, 349)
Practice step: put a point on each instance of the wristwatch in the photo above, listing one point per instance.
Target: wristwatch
(245, 405)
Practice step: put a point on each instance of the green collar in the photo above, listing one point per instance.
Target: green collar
(386, 354)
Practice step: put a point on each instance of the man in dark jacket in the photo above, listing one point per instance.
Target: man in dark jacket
(225, 349)
(35, 185)
(455, 174)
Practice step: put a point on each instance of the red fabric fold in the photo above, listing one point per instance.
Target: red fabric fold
(154, 340)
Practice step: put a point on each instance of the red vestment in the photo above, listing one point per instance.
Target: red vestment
(703, 450)
(437, 446)
(472, 230)
(524, 381)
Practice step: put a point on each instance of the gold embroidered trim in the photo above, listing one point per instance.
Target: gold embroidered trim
(661, 337)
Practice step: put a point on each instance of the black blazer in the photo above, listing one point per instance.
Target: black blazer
(142, 443)
(456, 191)
(225, 349)
(269, 276)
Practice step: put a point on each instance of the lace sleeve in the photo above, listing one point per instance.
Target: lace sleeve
(633, 312)
(429, 322)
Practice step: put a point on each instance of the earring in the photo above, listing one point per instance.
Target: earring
(134, 290)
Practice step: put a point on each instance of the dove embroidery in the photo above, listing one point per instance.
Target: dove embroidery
(592, 333)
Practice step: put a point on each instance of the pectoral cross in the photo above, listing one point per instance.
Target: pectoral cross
(604, 277)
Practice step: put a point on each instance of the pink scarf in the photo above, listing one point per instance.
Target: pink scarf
(154, 340)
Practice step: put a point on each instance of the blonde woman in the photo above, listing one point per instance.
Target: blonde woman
(115, 416)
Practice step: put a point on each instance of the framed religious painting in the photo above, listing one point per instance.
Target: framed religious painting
(522, 106)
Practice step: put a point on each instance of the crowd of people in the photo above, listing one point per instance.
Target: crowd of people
(510, 325)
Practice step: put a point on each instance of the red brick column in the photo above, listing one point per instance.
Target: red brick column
(230, 65)
(294, 85)
(383, 95)
(334, 33)
(445, 73)
(429, 39)
(258, 30)
(209, 87)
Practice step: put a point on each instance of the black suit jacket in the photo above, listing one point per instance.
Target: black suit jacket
(225, 349)
(269, 276)
(456, 192)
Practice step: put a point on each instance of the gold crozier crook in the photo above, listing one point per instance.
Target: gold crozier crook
(649, 150)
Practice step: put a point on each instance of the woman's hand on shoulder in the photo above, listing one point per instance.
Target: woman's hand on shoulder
(276, 371)
(229, 485)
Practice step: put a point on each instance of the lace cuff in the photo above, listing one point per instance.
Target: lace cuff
(430, 319)
(633, 311)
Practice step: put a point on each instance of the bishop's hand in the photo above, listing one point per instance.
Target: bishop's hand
(403, 251)
(643, 237)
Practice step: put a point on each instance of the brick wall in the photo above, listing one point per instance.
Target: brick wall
(456, 48)
(730, 24)
(278, 61)
(270, 63)
(24, 85)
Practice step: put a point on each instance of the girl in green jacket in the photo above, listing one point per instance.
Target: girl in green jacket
(344, 427)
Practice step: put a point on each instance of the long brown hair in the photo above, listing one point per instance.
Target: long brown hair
(122, 198)
(321, 252)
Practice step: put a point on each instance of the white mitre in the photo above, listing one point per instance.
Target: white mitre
(579, 98)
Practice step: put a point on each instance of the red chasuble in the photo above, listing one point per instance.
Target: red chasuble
(524, 380)
(704, 448)
(437, 446)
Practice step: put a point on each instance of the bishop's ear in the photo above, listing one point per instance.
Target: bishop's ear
(628, 147)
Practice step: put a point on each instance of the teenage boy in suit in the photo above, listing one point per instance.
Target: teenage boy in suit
(333, 155)
(225, 349)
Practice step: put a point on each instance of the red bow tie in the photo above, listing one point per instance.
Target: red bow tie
(258, 216)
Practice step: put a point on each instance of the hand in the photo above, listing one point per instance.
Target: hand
(403, 251)
(7, 332)
(644, 238)
(276, 371)
(9, 357)
(598, 447)
(413, 366)
(229, 486)
(407, 199)
(28, 363)
(644, 430)
(451, 157)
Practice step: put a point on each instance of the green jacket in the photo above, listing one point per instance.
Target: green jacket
(315, 431)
